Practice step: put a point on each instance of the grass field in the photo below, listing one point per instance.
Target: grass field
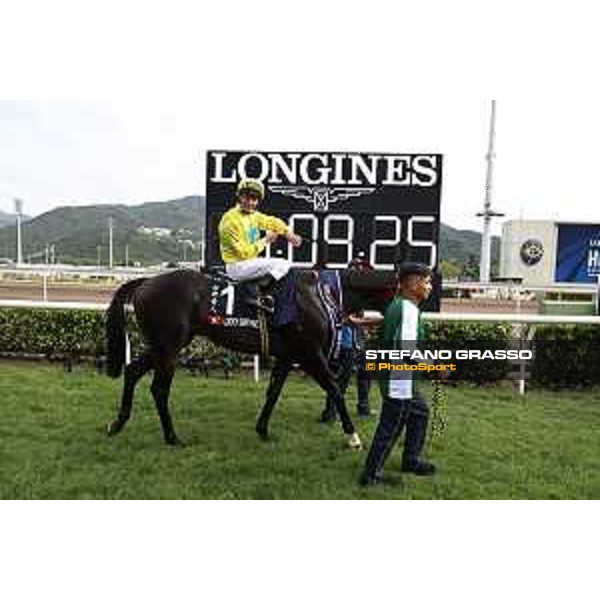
(53, 443)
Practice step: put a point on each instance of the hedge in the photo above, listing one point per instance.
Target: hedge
(465, 336)
(75, 334)
(566, 355)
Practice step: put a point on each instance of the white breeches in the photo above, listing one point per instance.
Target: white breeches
(257, 267)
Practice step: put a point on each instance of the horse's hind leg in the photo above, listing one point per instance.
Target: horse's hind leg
(164, 370)
(133, 373)
(320, 371)
(278, 376)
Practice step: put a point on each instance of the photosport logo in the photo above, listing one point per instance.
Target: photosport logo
(558, 361)
(511, 362)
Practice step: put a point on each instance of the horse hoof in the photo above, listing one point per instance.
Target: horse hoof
(355, 442)
(114, 427)
(262, 431)
(263, 435)
(176, 443)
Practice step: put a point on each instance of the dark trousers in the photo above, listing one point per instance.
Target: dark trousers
(363, 385)
(412, 414)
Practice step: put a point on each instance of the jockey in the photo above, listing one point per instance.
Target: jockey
(241, 241)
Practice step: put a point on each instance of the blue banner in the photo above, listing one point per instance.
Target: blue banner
(578, 254)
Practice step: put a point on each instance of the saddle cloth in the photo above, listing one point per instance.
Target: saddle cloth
(230, 308)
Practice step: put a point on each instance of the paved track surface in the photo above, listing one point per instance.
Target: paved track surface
(77, 292)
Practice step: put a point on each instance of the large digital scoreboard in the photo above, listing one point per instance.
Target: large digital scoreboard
(378, 207)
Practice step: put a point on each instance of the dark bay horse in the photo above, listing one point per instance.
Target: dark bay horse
(174, 307)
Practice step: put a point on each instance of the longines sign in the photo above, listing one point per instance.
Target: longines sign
(346, 205)
(326, 169)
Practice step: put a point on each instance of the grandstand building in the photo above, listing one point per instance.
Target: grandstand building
(547, 253)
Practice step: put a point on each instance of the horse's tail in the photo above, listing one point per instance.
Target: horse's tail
(115, 327)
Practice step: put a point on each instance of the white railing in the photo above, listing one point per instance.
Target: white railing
(513, 318)
(45, 304)
(567, 288)
(41, 270)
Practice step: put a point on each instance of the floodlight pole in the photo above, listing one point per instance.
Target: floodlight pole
(488, 214)
(110, 243)
(202, 250)
(19, 213)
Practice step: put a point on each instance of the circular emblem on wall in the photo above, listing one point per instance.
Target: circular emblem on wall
(532, 252)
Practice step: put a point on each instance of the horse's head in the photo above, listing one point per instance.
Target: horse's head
(368, 289)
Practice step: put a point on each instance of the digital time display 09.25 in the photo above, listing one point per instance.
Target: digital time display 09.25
(337, 239)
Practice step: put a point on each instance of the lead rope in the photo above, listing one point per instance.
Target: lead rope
(438, 424)
(264, 333)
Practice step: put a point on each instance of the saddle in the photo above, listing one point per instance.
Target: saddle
(261, 305)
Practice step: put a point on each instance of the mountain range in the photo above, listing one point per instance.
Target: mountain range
(157, 232)
(150, 233)
(9, 219)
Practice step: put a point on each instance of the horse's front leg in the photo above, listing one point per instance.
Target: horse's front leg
(323, 375)
(278, 376)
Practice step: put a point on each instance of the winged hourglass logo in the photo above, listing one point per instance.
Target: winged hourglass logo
(321, 196)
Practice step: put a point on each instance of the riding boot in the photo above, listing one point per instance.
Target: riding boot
(265, 287)
(388, 430)
(270, 286)
(416, 432)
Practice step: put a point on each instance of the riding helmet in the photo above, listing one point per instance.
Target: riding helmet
(251, 186)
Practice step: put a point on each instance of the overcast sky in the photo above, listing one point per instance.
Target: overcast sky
(252, 76)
